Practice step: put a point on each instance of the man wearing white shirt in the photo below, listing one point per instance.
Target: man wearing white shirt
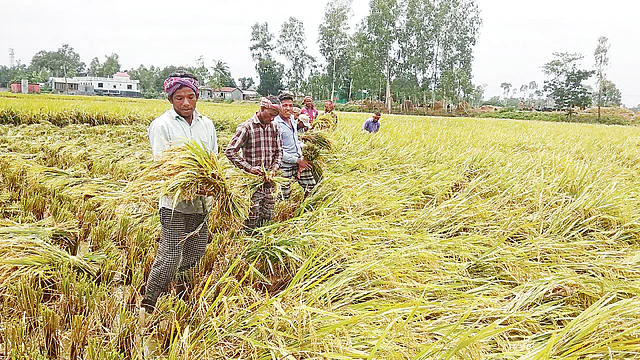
(184, 224)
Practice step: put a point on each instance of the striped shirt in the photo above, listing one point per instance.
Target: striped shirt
(260, 144)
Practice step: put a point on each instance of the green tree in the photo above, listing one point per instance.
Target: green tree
(610, 95)
(111, 65)
(506, 88)
(333, 38)
(533, 86)
(201, 71)
(477, 97)
(270, 73)
(417, 50)
(62, 62)
(565, 87)
(601, 55)
(221, 75)
(381, 29)
(246, 83)
(94, 67)
(456, 25)
(523, 91)
(456, 86)
(148, 80)
(292, 46)
(261, 46)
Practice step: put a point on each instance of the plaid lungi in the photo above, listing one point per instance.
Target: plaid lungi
(176, 253)
(262, 203)
(306, 180)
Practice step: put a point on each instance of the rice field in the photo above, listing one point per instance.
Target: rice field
(437, 238)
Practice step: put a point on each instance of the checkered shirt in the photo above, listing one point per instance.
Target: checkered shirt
(261, 145)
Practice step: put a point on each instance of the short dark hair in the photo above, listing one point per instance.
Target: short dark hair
(377, 113)
(286, 96)
(274, 99)
(183, 74)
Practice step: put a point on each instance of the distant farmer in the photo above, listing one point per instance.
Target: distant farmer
(184, 225)
(261, 146)
(328, 120)
(293, 164)
(329, 108)
(309, 108)
(372, 124)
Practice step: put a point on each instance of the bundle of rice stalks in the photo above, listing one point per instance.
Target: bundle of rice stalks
(316, 138)
(313, 154)
(327, 121)
(191, 171)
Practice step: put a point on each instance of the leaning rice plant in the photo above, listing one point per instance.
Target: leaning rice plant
(26, 255)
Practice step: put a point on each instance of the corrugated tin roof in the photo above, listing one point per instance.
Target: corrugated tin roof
(226, 89)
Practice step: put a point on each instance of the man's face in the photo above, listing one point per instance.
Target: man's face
(376, 118)
(267, 115)
(308, 102)
(286, 109)
(329, 106)
(184, 101)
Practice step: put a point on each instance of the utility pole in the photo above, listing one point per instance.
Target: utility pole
(64, 70)
(12, 58)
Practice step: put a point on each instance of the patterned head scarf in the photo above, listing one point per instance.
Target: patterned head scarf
(265, 103)
(328, 104)
(313, 106)
(172, 84)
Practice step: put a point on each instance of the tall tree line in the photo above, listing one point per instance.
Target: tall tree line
(421, 50)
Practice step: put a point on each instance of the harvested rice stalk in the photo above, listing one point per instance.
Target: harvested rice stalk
(317, 138)
(189, 171)
(325, 122)
(312, 154)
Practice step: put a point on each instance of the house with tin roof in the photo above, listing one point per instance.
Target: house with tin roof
(227, 93)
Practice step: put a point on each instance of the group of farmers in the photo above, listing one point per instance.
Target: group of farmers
(269, 143)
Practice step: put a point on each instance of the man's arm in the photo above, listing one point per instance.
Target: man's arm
(364, 126)
(158, 138)
(214, 139)
(277, 156)
(237, 142)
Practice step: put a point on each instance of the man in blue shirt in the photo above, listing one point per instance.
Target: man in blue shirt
(293, 163)
(372, 124)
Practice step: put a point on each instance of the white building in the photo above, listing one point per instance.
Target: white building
(119, 85)
(227, 93)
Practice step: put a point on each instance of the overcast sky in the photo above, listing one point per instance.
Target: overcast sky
(516, 38)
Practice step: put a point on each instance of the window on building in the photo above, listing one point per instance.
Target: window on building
(129, 87)
(100, 85)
